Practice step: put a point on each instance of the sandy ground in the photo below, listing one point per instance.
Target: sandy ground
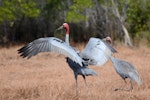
(48, 77)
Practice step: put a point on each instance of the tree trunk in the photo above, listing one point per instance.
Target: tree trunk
(117, 14)
(127, 37)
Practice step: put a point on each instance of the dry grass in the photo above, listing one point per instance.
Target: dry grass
(47, 77)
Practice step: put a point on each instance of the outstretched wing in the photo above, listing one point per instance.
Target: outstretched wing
(49, 44)
(96, 52)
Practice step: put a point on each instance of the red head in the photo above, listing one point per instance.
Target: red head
(108, 39)
(64, 26)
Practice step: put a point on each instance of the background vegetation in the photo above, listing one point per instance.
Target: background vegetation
(25, 20)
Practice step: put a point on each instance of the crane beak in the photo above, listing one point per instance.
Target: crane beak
(61, 27)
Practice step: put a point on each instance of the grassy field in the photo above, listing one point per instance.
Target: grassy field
(48, 77)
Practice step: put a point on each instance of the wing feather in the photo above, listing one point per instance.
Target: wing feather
(49, 44)
(96, 51)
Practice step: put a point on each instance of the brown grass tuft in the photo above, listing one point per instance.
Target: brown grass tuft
(48, 77)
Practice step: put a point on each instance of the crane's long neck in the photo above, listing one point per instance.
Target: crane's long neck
(66, 26)
(67, 39)
(112, 59)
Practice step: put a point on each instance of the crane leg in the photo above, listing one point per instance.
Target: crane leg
(84, 80)
(130, 89)
(131, 86)
(85, 83)
(76, 78)
(121, 88)
(125, 83)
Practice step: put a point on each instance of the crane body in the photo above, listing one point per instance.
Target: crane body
(126, 70)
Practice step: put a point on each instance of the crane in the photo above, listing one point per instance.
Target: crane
(126, 70)
(96, 52)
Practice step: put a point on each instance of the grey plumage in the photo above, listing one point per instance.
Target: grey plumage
(126, 70)
(49, 44)
(78, 70)
(97, 52)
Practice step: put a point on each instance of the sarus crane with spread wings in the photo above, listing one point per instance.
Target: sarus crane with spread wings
(96, 52)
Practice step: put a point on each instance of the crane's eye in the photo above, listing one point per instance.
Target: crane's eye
(64, 27)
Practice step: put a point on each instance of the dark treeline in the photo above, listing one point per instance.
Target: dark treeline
(26, 20)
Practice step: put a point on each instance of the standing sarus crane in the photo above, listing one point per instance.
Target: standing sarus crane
(126, 70)
(96, 52)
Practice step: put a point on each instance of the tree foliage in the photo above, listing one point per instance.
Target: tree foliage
(138, 19)
(138, 15)
(25, 20)
(12, 14)
(11, 10)
(76, 10)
